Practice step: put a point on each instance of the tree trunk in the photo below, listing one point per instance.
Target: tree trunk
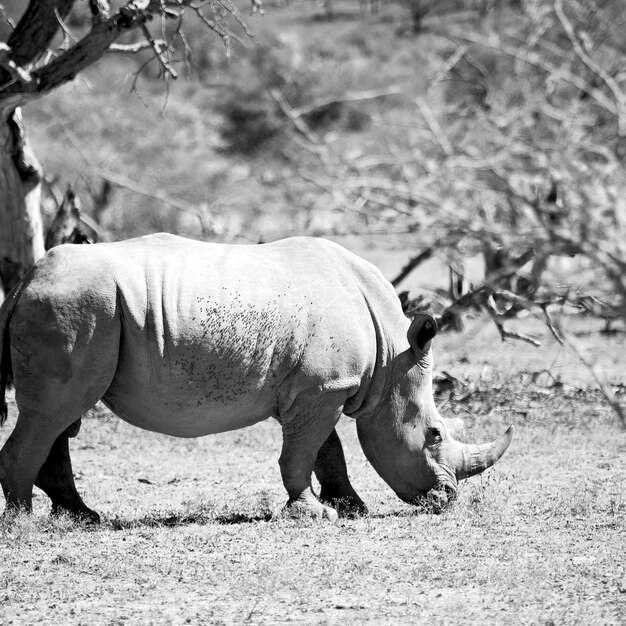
(21, 229)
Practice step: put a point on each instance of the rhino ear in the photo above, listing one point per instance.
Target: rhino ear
(421, 332)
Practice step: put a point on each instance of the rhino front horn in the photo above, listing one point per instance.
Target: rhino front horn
(477, 458)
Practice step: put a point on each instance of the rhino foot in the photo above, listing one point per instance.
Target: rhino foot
(84, 515)
(308, 506)
(299, 510)
(350, 506)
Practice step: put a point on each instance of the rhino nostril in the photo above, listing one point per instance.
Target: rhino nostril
(436, 499)
(450, 492)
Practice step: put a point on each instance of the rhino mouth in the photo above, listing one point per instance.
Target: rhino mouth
(434, 500)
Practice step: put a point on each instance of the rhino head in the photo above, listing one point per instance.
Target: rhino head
(406, 440)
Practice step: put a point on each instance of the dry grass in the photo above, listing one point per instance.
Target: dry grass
(191, 531)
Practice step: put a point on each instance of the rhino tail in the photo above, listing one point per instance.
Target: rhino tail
(6, 373)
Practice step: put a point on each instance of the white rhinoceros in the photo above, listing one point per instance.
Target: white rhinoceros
(189, 338)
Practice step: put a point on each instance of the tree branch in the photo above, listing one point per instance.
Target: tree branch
(413, 263)
(88, 50)
(20, 83)
(36, 29)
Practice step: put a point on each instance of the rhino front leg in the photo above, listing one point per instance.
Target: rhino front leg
(332, 474)
(306, 426)
(57, 480)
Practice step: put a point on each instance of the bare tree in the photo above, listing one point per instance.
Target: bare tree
(40, 54)
(520, 157)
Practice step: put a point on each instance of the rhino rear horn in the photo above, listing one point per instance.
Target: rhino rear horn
(421, 332)
(477, 458)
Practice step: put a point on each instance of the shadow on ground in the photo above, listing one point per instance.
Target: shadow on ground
(175, 520)
(200, 518)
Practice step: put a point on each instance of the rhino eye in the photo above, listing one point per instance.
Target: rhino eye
(434, 435)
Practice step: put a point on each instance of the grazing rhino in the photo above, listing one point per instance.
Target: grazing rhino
(189, 338)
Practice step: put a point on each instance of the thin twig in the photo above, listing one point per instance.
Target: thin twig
(298, 123)
(556, 71)
(447, 66)
(68, 36)
(434, 126)
(122, 181)
(133, 48)
(598, 374)
(597, 69)
(5, 18)
(216, 26)
(357, 96)
(511, 334)
(127, 183)
(551, 325)
(168, 70)
(234, 11)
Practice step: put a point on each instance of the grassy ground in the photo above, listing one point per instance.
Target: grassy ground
(191, 531)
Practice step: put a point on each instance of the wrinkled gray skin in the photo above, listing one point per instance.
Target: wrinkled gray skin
(188, 338)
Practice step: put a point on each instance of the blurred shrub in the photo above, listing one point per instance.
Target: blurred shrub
(520, 157)
(420, 10)
(338, 115)
(250, 119)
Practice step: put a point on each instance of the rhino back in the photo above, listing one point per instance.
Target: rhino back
(215, 337)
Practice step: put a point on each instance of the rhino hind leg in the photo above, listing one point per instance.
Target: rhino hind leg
(54, 387)
(332, 474)
(21, 458)
(56, 479)
(36, 453)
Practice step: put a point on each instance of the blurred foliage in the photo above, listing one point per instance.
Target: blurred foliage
(496, 130)
(538, 150)
(520, 156)
(250, 118)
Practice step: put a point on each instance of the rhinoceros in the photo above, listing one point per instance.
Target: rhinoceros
(191, 338)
